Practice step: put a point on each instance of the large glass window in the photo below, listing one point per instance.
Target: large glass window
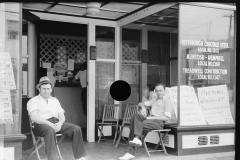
(24, 58)
(207, 66)
(10, 60)
(105, 68)
(131, 64)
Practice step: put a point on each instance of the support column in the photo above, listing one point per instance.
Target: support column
(91, 86)
(32, 52)
(118, 56)
(144, 65)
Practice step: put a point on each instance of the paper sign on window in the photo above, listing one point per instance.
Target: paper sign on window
(214, 102)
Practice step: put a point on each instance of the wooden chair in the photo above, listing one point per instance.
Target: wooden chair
(161, 133)
(110, 117)
(130, 110)
(38, 142)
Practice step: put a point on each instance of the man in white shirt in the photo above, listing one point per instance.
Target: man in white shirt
(82, 75)
(160, 112)
(48, 117)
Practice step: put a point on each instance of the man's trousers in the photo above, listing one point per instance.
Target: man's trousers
(49, 134)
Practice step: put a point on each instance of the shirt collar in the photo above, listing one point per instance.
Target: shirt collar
(39, 96)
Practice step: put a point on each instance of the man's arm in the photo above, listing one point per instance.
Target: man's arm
(163, 118)
(37, 119)
(61, 118)
(75, 80)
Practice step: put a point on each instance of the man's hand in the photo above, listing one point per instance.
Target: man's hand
(142, 109)
(54, 126)
(58, 126)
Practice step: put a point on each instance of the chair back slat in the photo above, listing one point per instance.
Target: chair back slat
(131, 109)
(110, 113)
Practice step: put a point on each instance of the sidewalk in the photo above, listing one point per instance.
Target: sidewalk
(105, 151)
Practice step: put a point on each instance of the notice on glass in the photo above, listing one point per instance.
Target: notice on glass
(214, 102)
(6, 107)
(190, 111)
(6, 72)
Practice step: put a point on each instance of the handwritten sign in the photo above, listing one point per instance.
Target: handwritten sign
(190, 111)
(214, 102)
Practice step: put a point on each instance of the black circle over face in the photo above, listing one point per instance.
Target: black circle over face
(120, 90)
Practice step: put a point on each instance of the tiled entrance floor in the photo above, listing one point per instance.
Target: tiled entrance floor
(105, 151)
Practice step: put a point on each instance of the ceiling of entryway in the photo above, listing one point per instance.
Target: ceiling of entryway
(112, 11)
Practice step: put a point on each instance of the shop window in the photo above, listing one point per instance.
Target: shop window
(208, 66)
(105, 37)
(158, 58)
(105, 68)
(131, 64)
(10, 86)
(105, 73)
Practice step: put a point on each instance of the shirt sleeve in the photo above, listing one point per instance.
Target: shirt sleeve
(168, 107)
(31, 106)
(77, 75)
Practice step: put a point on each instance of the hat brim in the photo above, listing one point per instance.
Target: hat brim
(44, 82)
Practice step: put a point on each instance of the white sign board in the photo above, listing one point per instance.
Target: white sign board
(214, 102)
(190, 111)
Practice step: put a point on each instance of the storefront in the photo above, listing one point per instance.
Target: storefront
(191, 47)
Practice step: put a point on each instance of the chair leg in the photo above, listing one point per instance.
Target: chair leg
(116, 132)
(145, 146)
(119, 137)
(37, 153)
(101, 133)
(161, 141)
(144, 143)
(60, 139)
(59, 153)
(36, 147)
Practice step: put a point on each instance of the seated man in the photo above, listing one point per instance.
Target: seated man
(48, 117)
(161, 111)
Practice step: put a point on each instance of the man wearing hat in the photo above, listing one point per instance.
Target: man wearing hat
(48, 117)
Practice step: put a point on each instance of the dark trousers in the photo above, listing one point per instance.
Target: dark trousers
(72, 130)
(84, 100)
(138, 123)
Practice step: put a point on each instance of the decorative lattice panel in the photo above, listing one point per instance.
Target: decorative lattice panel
(105, 50)
(59, 48)
(130, 51)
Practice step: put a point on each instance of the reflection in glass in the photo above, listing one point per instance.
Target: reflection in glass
(131, 64)
(207, 59)
(105, 73)
(105, 42)
(10, 53)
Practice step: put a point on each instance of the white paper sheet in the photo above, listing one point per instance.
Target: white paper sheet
(70, 64)
(190, 111)
(46, 65)
(214, 102)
